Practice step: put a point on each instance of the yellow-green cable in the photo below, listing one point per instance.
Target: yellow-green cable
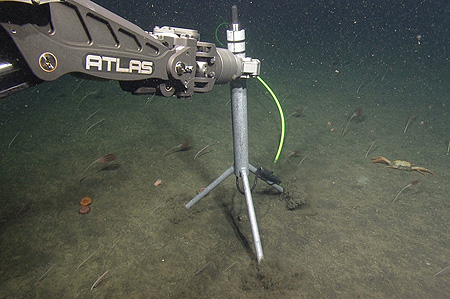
(217, 30)
(283, 127)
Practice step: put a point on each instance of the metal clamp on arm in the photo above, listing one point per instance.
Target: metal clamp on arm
(250, 67)
(236, 44)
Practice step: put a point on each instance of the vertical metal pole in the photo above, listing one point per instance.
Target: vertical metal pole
(240, 125)
(236, 44)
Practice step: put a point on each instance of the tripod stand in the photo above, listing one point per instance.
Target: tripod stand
(241, 165)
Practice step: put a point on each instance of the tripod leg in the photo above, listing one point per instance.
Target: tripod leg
(252, 216)
(210, 187)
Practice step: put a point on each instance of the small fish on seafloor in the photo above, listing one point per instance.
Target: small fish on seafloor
(443, 271)
(99, 280)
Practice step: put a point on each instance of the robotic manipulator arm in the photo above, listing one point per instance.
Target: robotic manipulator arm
(42, 40)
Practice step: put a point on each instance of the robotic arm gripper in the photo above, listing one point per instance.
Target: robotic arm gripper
(42, 40)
